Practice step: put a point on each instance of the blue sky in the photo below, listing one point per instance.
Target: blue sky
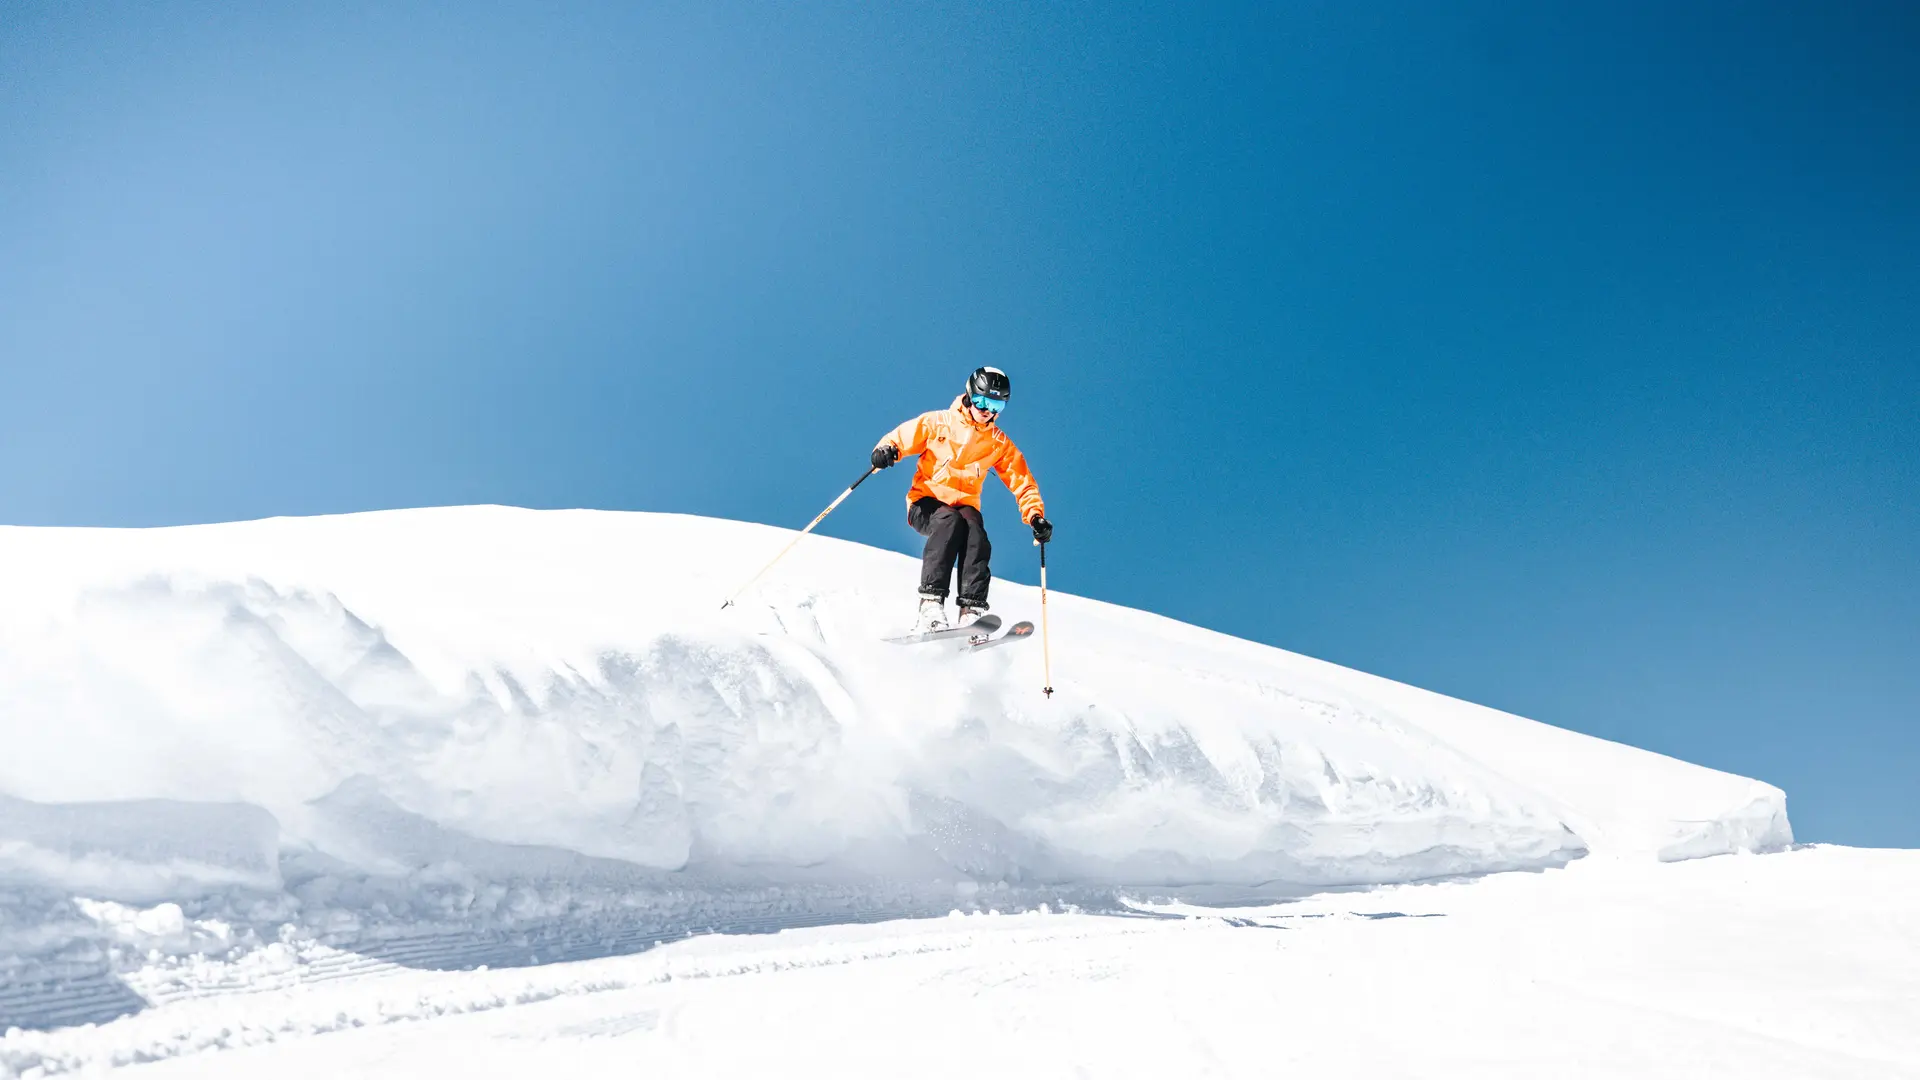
(1565, 358)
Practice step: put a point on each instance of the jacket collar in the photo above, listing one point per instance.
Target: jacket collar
(966, 417)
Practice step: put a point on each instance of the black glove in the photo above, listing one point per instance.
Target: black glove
(1042, 529)
(885, 455)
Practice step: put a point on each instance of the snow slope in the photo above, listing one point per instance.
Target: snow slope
(487, 735)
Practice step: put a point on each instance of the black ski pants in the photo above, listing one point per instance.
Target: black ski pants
(955, 534)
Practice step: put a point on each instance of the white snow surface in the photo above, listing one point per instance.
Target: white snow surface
(1803, 965)
(490, 735)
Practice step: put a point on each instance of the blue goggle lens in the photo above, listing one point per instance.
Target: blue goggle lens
(992, 405)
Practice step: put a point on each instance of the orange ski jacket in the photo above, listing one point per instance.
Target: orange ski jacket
(955, 456)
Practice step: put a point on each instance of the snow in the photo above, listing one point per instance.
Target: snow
(1801, 965)
(283, 752)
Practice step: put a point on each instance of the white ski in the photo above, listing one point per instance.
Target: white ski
(981, 627)
(1017, 632)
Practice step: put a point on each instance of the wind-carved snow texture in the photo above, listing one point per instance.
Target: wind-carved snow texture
(474, 736)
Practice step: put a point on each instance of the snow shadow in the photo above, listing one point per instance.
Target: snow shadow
(56, 965)
(61, 963)
(195, 902)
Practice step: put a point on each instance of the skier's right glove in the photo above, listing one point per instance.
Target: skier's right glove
(885, 455)
(1042, 529)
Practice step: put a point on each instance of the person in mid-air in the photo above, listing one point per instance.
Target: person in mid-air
(957, 447)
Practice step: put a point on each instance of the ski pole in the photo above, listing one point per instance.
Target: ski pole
(803, 532)
(1046, 644)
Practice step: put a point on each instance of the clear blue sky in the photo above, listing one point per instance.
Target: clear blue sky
(1565, 358)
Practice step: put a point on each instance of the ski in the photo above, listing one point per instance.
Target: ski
(1018, 631)
(981, 627)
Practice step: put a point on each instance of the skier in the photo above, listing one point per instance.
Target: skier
(957, 446)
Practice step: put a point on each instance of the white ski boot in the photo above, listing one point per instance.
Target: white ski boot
(932, 617)
(968, 616)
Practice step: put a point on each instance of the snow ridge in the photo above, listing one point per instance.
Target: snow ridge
(486, 735)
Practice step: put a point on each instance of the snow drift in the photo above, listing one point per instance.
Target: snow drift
(384, 728)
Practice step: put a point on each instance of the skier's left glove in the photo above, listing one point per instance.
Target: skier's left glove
(1042, 529)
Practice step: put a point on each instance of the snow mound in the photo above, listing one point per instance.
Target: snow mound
(378, 727)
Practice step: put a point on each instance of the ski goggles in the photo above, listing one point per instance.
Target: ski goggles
(987, 404)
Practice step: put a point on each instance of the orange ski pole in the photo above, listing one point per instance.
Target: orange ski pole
(1046, 645)
(803, 532)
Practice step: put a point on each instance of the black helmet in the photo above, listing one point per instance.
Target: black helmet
(990, 383)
